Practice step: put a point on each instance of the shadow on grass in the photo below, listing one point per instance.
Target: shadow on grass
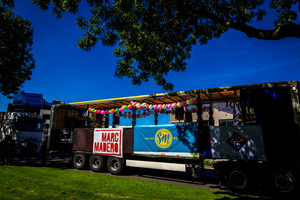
(55, 161)
(268, 195)
(239, 196)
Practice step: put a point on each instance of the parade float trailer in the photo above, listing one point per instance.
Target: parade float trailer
(258, 147)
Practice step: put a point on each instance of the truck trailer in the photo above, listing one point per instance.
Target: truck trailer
(258, 146)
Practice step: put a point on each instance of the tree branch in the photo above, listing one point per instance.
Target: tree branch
(289, 30)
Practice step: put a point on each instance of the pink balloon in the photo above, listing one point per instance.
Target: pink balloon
(133, 104)
(174, 105)
(159, 106)
(183, 103)
(154, 106)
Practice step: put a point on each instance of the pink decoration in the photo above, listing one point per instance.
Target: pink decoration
(159, 106)
(183, 103)
(154, 106)
(174, 105)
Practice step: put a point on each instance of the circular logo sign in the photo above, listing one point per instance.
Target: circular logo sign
(163, 138)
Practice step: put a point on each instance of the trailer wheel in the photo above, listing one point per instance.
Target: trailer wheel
(282, 182)
(115, 165)
(96, 163)
(237, 181)
(79, 160)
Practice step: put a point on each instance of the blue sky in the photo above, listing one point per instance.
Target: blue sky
(65, 72)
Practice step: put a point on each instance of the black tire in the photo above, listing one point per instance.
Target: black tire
(79, 161)
(96, 163)
(238, 181)
(282, 182)
(115, 165)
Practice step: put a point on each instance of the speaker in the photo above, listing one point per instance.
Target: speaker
(116, 119)
(188, 117)
(179, 113)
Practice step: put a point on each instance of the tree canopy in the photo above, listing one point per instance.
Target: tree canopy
(152, 38)
(16, 60)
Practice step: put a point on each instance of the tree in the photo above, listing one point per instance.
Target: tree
(16, 61)
(154, 37)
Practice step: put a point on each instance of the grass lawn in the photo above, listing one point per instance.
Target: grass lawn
(24, 182)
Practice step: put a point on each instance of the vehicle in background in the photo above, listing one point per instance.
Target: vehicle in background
(22, 127)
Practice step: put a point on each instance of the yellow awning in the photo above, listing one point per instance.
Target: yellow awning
(206, 95)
